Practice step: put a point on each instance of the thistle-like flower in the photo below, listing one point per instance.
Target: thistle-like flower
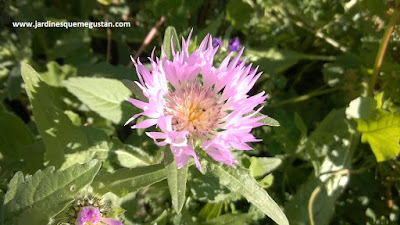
(197, 106)
(90, 215)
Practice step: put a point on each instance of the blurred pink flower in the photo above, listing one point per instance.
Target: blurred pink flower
(198, 106)
(90, 215)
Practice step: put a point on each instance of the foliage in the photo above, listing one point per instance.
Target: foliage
(329, 154)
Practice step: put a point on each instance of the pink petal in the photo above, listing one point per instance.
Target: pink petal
(145, 124)
(110, 221)
(137, 103)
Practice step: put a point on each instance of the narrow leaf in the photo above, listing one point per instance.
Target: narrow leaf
(177, 179)
(240, 181)
(170, 34)
(124, 181)
(38, 198)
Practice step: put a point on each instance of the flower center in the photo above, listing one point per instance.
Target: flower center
(196, 110)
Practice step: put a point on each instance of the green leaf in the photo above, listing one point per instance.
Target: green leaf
(112, 150)
(263, 165)
(62, 139)
(132, 86)
(38, 198)
(269, 121)
(14, 136)
(104, 96)
(56, 74)
(231, 219)
(177, 179)
(239, 180)
(361, 108)
(14, 82)
(124, 181)
(170, 35)
(382, 134)
(210, 211)
(334, 139)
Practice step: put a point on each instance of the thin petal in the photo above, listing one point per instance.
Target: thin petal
(145, 124)
(110, 221)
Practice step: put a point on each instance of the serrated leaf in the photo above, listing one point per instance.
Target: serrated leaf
(177, 179)
(382, 134)
(124, 181)
(61, 138)
(38, 198)
(102, 95)
(239, 180)
(170, 35)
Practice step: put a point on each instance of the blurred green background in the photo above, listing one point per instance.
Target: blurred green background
(317, 56)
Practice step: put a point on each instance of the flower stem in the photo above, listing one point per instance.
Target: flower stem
(382, 50)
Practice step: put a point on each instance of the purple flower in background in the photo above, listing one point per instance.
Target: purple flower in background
(216, 42)
(90, 215)
(197, 106)
(234, 45)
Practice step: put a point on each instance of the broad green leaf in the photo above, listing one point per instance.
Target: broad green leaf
(177, 179)
(259, 166)
(61, 138)
(106, 149)
(56, 74)
(170, 35)
(38, 198)
(382, 134)
(208, 188)
(240, 181)
(337, 140)
(104, 96)
(14, 136)
(361, 108)
(231, 219)
(124, 181)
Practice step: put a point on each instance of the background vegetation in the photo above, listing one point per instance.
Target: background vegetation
(331, 69)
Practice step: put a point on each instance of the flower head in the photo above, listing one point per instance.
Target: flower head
(234, 45)
(90, 215)
(216, 42)
(197, 106)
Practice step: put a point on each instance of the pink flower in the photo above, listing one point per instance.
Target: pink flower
(197, 106)
(90, 215)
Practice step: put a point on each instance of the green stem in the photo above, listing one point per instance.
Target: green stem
(382, 50)
(304, 97)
